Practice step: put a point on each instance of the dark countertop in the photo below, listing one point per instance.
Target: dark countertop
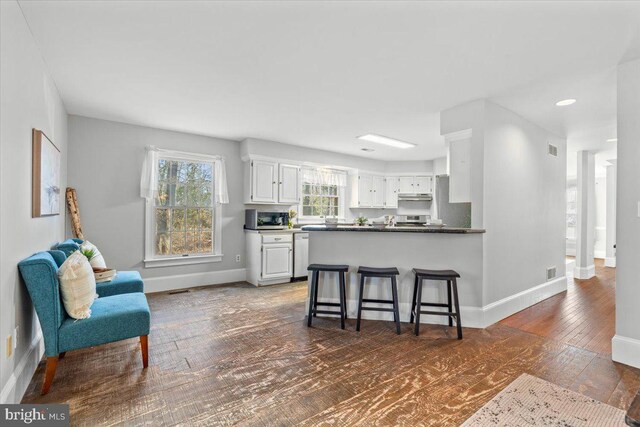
(443, 230)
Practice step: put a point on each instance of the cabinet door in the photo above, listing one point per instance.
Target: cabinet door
(406, 184)
(377, 185)
(424, 184)
(289, 184)
(365, 191)
(276, 260)
(391, 192)
(263, 181)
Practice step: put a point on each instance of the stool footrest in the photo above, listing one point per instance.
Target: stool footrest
(433, 304)
(337, 313)
(379, 301)
(329, 304)
(390, 310)
(439, 313)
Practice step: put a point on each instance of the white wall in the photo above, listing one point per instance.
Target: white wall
(626, 343)
(29, 99)
(440, 166)
(105, 161)
(459, 119)
(517, 195)
(260, 147)
(600, 237)
(524, 204)
(412, 167)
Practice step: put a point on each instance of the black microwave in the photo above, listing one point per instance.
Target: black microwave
(265, 220)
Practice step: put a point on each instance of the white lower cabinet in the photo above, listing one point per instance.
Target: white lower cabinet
(269, 257)
(276, 260)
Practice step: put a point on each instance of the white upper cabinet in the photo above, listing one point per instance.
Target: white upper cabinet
(289, 184)
(391, 192)
(365, 191)
(377, 185)
(377, 191)
(270, 182)
(406, 184)
(423, 184)
(264, 176)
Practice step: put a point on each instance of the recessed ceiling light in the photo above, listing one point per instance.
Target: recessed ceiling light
(565, 102)
(379, 139)
(368, 150)
(612, 140)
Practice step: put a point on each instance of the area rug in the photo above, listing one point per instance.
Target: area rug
(531, 401)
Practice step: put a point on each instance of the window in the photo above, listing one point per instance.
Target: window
(323, 194)
(182, 218)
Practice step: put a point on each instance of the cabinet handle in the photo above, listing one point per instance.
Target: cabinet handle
(277, 238)
(273, 182)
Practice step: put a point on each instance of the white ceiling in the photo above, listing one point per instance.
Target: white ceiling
(319, 74)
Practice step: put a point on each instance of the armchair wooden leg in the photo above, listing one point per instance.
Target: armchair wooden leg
(61, 355)
(144, 347)
(52, 363)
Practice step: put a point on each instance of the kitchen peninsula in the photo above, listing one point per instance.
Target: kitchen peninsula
(460, 249)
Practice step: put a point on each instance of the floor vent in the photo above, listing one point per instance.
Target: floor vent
(551, 273)
(183, 291)
(553, 150)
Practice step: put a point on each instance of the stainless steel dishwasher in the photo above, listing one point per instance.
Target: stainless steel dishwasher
(300, 255)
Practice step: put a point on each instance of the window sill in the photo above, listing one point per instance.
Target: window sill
(182, 260)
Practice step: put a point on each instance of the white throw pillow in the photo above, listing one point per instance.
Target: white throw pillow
(97, 260)
(77, 285)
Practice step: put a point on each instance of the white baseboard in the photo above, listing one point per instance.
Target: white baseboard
(584, 272)
(600, 254)
(505, 307)
(610, 262)
(20, 378)
(182, 281)
(626, 350)
(472, 317)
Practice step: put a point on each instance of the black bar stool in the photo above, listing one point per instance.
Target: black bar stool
(313, 293)
(450, 276)
(390, 273)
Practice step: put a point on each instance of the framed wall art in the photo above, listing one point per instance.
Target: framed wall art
(45, 178)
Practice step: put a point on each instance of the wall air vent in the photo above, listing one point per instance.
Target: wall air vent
(551, 273)
(553, 150)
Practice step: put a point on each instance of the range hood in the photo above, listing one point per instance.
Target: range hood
(427, 197)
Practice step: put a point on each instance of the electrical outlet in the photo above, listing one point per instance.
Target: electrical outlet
(9, 346)
(238, 258)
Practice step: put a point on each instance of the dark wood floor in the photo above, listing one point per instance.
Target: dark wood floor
(241, 355)
(583, 316)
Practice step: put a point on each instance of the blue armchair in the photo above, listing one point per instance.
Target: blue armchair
(115, 317)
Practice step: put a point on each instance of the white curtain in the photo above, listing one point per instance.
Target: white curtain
(148, 180)
(322, 176)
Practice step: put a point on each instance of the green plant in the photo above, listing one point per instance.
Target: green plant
(361, 220)
(89, 253)
(292, 215)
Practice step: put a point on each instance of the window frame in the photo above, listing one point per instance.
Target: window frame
(342, 205)
(153, 260)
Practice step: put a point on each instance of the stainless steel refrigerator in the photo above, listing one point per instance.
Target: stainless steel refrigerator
(451, 214)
